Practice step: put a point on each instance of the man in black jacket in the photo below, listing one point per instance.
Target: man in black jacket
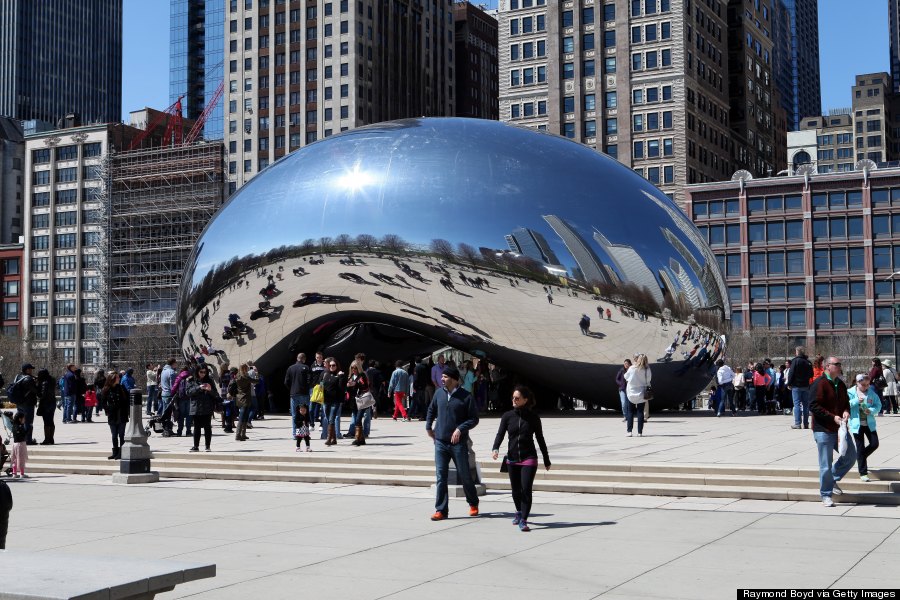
(297, 381)
(830, 408)
(799, 376)
(421, 378)
(454, 409)
(27, 392)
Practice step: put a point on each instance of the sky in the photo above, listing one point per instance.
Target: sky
(843, 25)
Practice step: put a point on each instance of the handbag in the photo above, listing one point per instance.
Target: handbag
(648, 393)
(365, 400)
(504, 466)
(318, 394)
(843, 439)
(302, 431)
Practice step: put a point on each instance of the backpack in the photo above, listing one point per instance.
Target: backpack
(14, 392)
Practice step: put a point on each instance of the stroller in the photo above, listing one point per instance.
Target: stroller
(163, 424)
(7, 417)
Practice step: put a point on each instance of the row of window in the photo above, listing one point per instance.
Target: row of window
(825, 318)
(65, 240)
(651, 32)
(42, 155)
(651, 94)
(655, 148)
(528, 50)
(651, 121)
(528, 76)
(527, 25)
(65, 308)
(68, 196)
(651, 60)
(66, 332)
(67, 218)
(656, 175)
(65, 284)
(10, 312)
(831, 138)
(66, 175)
(41, 264)
(527, 109)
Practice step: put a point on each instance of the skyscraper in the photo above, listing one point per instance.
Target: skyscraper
(60, 57)
(531, 244)
(589, 264)
(476, 62)
(630, 266)
(894, 25)
(196, 55)
(296, 75)
(795, 29)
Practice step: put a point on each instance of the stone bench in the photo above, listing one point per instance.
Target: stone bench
(57, 576)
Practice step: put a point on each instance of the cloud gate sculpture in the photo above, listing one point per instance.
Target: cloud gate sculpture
(405, 238)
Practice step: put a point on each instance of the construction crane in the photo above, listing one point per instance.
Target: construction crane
(174, 126)
(197, 129)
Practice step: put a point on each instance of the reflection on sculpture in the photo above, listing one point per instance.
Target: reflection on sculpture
(470, 234)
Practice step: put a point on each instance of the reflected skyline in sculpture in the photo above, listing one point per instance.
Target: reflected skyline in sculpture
(470, 234)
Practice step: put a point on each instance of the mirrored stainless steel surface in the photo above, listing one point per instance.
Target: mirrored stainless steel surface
(496, 240)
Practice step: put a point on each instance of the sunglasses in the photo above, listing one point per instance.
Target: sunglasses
(332, 366)
(836, 364)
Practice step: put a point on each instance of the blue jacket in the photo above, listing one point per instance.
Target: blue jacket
(874, 403)
(127, 382)
(399, 382)
(70, 386)
(456, 411)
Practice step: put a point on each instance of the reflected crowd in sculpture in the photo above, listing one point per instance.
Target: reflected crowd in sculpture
(404, 238)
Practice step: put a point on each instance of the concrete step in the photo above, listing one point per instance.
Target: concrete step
(663, 479)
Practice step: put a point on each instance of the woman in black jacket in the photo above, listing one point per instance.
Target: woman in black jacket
(334, 388)
(201, 389)
(46, 404)
(115, 402)
(522, 424)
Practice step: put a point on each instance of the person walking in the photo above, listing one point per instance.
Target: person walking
(152, 389)
(522, 425)
(890, 390)
(830, 407)
(638, 378)
(357, 388)
(725, 377)
(297, 381)
(166, 379)
(26, 398)
(864, 406)
(99, 382)
(798, 378)
(69, 391)
(20, 446)
(397, 388)
(740, 389)
(46, 408)
(243, 388)
(334, 388)
(622, 385)
(115, 403)
(317, 411)
(182, 400)
(201, 390)
(454, 410)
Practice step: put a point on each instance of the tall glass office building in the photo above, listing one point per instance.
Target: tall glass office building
(59, 57)
(196, 54)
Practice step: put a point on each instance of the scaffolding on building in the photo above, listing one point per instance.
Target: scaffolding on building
(158, 202)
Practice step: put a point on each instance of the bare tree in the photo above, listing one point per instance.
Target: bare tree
(344, 242)
(469, 253)
(393, 243)
(325, 244)
(146, 344)
(308, 246)
(367, 241)
(443, 248)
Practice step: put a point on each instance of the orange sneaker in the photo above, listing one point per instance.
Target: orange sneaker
(473, 511)
(438, 516)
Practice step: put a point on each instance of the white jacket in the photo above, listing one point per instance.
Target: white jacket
(891, 378)
(638, 381)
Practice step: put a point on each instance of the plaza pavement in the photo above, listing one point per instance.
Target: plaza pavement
(684, 438)
(289, 540)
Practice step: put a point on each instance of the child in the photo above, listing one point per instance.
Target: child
(90, 401)
(20, 447)
(302, 431)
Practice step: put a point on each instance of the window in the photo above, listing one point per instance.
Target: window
(638, 151)
(609, 12)
(567, 18)
(587, 41)
(609, 64)
(64, 284)
(636, 61)
(40, 156)
(590, 128)
(612, 126)
(67, 153)
(587, 68)
(610, 100)
(64, 308)
(589, 102)
(569, 71)
(64, 331)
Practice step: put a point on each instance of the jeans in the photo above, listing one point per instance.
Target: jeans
(443, 452)
(301, 400)
(118, 434)
(332, 417)
(827, 444)
(163, 403)
(361, 417)
(632, 410)
(68, 409)
(729, 397)
(152, 399)
(800, 395)
(751, 397)
(862, 451)
(254, 408)
(316, 414)
(184, 416)
(244, 414)
(623, 397)
(28, 411)
(398, 405)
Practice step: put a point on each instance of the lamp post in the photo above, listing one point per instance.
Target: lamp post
(135, 464)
